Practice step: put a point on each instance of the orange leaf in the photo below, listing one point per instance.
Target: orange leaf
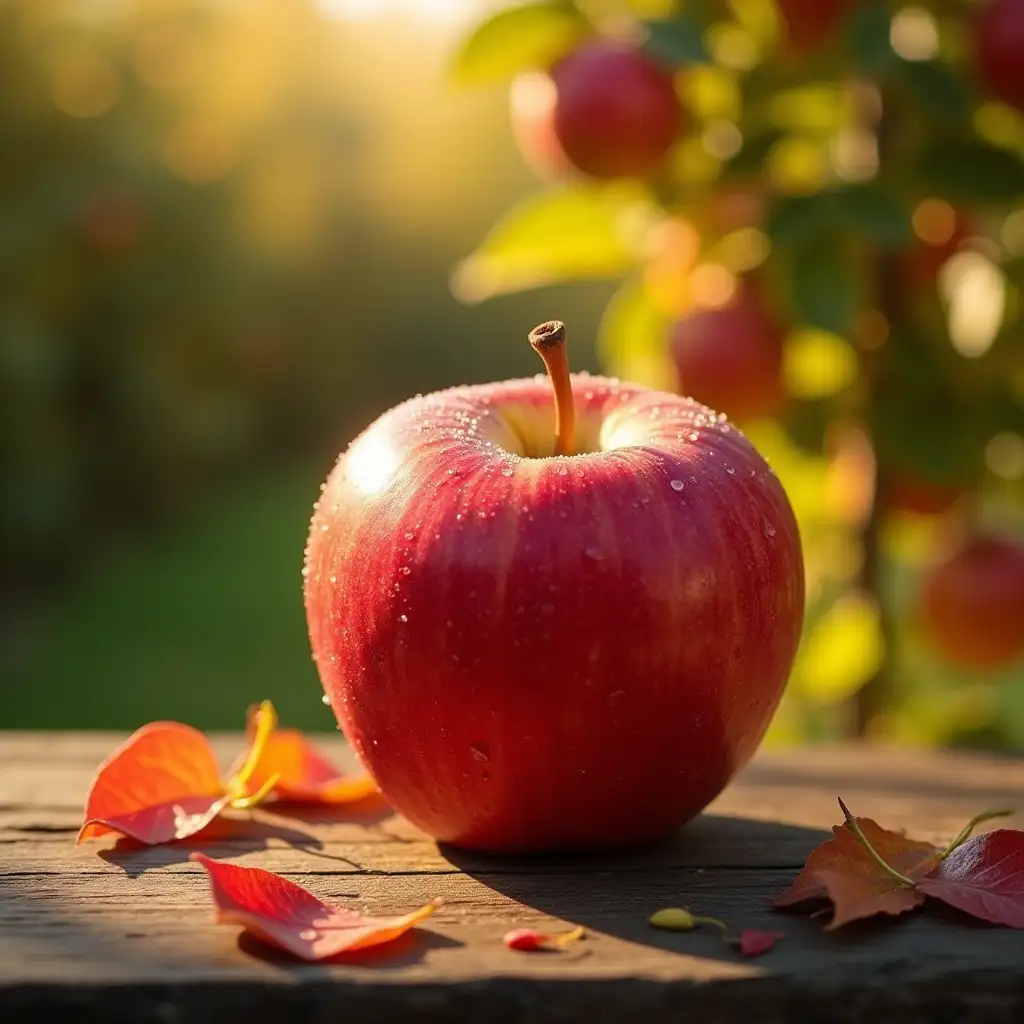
(162, 783)
(303, 774)
(843, 871)
(292, 918)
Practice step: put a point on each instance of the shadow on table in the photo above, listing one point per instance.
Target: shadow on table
(719, 866)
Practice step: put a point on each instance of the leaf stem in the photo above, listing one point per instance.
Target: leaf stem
(549, 342)
(965, 832)
(853, 825)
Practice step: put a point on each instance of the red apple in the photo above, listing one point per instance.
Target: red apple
(532, 651)
(617, 113)
(972, 603)
(810, 23)
(999, 49)
(731, 358)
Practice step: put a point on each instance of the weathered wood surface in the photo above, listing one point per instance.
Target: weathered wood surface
(117, 933)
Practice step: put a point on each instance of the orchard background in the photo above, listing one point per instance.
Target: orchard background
(232, 234)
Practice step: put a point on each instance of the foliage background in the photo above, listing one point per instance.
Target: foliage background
(233, 233)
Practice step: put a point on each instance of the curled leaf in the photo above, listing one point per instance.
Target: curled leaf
(296, 772)
(983, 877)
(753, 942)
(161, 784)
(842, 870)
(291, 918)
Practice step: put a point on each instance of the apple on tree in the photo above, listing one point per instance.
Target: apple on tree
(731, 358)
(972, 603)
(605, 109)
(553, 624)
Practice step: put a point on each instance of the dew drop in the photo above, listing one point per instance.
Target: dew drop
(547, 608)
(480, 753)
(677, 485)
(308, 934)
(507, 470)
(616, 697)
(403, 618)
(406, 570)
(325, 700)
(410, 535)
(594, 553)
(769, 530)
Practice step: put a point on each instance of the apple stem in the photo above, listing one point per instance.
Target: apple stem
(549, 342)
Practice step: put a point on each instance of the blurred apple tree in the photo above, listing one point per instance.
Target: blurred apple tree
(814, 210)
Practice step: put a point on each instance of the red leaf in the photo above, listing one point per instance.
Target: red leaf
(754, 943)
(842, 870)
(163, 783)
(292, 918)
(984, 877)
(525, 939)
(304, 775)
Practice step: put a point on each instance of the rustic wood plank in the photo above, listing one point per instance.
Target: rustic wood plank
(112, 932)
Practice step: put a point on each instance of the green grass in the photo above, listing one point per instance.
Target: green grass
(193, 626)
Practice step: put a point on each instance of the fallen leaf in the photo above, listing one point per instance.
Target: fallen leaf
(529, 939)
(304, 775)
(983, 877)
(753, 942)
(285, 915)
(841, 870)
(163, 783)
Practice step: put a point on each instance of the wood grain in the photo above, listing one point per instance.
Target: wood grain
(113, 932)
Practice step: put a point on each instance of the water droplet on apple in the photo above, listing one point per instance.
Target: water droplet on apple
(547, 608)
(616, 697)
(403, 618)
(731, 470)
(562, 471)
(677, 485)
(448, 623)
(332, 579)
(305, 571)
(325, 700)
(694, 436)
(406, 570)
(769, 530)
(309, 934)
(594, 553)
(410, 535)
(479, 752)
(507, 470)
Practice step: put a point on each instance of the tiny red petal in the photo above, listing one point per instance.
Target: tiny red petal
(524, 939)
(754, 943)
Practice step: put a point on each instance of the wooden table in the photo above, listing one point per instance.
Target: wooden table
(108, 933)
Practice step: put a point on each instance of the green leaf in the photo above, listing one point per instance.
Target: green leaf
(632, 341)
(868, 39)
(570, 232)
(676, 41)
(824, 287)
(529, 36)
(937, 88)
(879, 216)
(794, 219)
(970, 170)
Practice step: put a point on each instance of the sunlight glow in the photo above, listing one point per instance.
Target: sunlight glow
(438, 11)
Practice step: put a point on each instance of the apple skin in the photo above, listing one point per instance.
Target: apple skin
(731, 358)
(998, 31)
(617, 113)
(972, 603)
(552, 653)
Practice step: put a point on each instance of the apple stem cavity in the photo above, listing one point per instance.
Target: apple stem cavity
(549, 342)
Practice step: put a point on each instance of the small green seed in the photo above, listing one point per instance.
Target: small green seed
(673, 919)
